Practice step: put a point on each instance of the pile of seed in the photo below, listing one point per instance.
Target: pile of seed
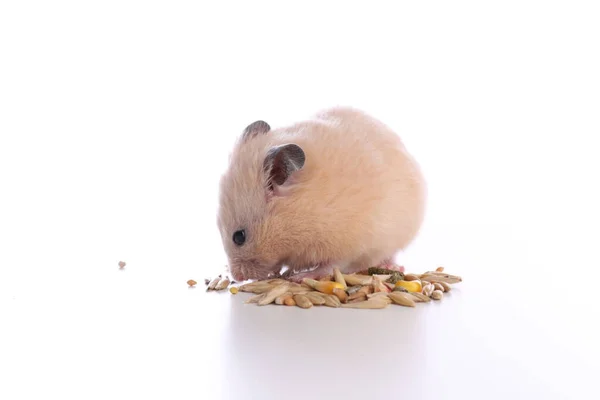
(376, 288)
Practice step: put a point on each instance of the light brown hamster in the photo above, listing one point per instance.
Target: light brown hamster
(339, 190)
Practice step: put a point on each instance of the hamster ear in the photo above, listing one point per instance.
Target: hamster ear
(281, 161)
(255, 128)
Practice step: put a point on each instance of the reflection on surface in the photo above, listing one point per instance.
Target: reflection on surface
(434, 348)
(324, 348)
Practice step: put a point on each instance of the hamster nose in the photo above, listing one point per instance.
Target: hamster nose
(238, 274)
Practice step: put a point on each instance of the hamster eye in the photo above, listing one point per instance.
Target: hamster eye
(239, 237)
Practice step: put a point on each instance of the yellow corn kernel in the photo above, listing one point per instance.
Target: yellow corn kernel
(233, 290)
(323, 287)
(411, 286)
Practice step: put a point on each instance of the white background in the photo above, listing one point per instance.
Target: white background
(116, 119)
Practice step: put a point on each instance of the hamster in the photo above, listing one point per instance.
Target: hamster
(338, 190)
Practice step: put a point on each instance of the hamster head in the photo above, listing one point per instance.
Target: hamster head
(258, 181)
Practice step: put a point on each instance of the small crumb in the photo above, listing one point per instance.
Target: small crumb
(233, 290)
(206, 281)
(192, 283)
(122, 264)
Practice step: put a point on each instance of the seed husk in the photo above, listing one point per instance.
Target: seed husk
(341, 295)
(191, 283)
(261, 285)
(373, 303)
(376, 294)
(378, 285)
(400, 289)
(223, 284)
(420, 297)
(358, 296)
(262, 289)
(302, 301)
(289, 301)
(255, 299)
(281, 299)
(402, 299)
(299, 289)
(316, 298)
(428, 289)
(437, 295)
(213, 283)
(354, 279)
(272, 294)
(332, 301)
(323, 287)
(441, 277)
(325, 279)
(275, 281)
(339, 278)
(438, 286)
(411, 277)
(257, 289)
(439, 269)
(446, 286)
(366, 289)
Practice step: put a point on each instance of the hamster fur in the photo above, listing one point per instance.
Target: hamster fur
(339, 190)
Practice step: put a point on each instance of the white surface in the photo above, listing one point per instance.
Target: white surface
(115, 123)
(98, 332)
